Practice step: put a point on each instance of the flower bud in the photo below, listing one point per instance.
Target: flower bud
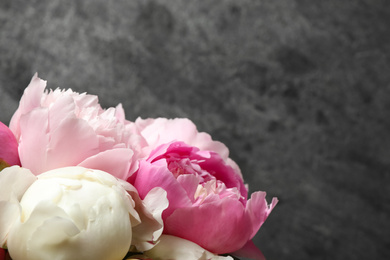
(68, 213)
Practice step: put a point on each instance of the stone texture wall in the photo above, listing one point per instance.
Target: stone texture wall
(299, 90)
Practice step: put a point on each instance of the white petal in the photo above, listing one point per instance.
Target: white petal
(14, 181)
(175, 248)
(150, 229)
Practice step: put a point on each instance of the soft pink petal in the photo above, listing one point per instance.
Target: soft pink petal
(85, 100)
(150, 176)
(120, 113)
(116, 162)
(32, 146)
(72, 142)
(8, 146)
(60, 110)
(31, 99)
(219, 227)
(161, 130)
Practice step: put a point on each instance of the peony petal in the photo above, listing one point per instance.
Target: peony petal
(14, 181)
(116, 162)
(62, 108)
(30, 100)
(150, 229)
(8, 146)
(120, 113)
(171, 247)
(10, 212)
(20, 235)
(189, 183)
(32, 145)
(220, 227)
(161, 130)
(223, 172)
(258, 210)
(150, 176)
(72, 142)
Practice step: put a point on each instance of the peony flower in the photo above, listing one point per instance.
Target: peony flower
(63, 128)
(75, 213)
(207, 196)
(8, 147)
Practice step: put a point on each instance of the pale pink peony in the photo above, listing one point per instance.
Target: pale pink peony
(207, 196)
(63, 128)
(8, 147)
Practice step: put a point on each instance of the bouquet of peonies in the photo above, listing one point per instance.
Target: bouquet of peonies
(81, 182)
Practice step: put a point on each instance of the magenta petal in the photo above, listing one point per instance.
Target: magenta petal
(8, 146)
(190, 183)
(150, 176)
(219, 227)
(116, 162)
(225, 173)
(258, 210)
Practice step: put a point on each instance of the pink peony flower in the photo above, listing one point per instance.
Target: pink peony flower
(8, 147)
(63, 128)
(207, 196)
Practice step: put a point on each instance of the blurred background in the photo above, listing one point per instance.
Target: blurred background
(299, 91)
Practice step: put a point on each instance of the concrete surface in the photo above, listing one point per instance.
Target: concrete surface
(299, 90)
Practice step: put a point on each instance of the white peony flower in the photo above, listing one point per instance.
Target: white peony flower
(69, 213)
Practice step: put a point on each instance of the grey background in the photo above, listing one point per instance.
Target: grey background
(299, 90)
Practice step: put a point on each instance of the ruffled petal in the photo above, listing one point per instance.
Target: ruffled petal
(161, 130)
(257, 209)
(59, 110)
(176, 248)
(150, 176)
(31, 99)
(146, 234)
